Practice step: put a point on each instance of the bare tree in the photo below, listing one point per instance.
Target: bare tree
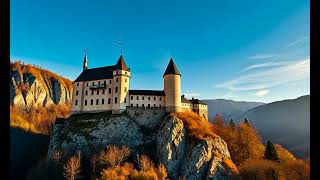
(114, 156)
(72, 169)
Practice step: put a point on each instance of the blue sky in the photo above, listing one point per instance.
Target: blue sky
(241, 50)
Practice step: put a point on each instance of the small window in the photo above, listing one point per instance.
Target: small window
(110, 81)
(116, 90)
(159, 105)
(148, 105)
(154, 105)
(117, 79)
(91, 103)
(131, 105)
(97, 101)
(125, 73)
(92, 83)
(125, 80)
(142, 105)
(142, 97)
(85, 102)
(86, 92)
(131, 97)
(154, 98)
(137, 105)
(148, 98)
(77, 92)
(137, 97)
(92, 92)
(160, 98)
(116, 100)
(109, 90)
(125, 100)
(98, 92)
(125, 89)
(103, 91)
(104, 82)
(109, 100)
(102, 101)
(76, 102)
(78, 84)
(87, 84)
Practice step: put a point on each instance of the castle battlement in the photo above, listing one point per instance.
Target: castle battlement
(107, 89)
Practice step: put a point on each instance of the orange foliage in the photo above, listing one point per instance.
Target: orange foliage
(196, 126)
(38, 119)
(114, 156)
(228, 163)
(284, 154)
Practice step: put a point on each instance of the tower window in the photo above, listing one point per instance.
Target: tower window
(91, 103)
(125, 89)
(76, 102)
(131, 97)
(109, 100)
(97, 101)
(102, 101)
(116, 100)
(148, 98)
(116, 89)
(77, 93)
(98, 92)
(109, 90)
(86, 92)
(85, 102)
(125, 80)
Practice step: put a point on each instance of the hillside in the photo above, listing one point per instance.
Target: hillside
(228, 109)
(285, 122)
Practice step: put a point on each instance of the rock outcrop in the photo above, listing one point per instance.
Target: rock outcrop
(165, 140)
(31, 86)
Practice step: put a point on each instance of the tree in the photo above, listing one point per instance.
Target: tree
(271, 153)
(72, 169)
(246, 121)
(114, 156)
(232, 124)
(218, 121)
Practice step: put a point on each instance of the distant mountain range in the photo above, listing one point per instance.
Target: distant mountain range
(285, 122)
(228, 109)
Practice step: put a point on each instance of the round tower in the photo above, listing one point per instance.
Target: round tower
(172, 88)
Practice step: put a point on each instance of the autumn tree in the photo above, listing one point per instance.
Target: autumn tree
(270, 152)
(219, 124)
(246, 121)
(72, 169)
(114, 156)
(232, 124)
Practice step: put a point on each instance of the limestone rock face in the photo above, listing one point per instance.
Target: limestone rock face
(27, 90)
(191, 159)
(167, 143)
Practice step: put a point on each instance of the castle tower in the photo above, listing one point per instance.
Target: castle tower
(172, 88)
(85, 61)
(121, 79)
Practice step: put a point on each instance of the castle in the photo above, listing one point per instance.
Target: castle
(107, 89)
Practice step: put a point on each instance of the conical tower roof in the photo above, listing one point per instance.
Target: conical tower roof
(171, 68)
(121, 64)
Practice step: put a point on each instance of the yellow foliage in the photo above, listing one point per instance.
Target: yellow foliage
(196, 126)
(228, 163)
(284, 154)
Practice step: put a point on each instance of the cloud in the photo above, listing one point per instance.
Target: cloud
(265, 79)
(298, 41)
(261, 93)
(269, 64)
(262, 56)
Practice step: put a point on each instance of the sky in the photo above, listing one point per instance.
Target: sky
(244, 50)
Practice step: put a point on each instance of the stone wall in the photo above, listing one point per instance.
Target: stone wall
(146, 117)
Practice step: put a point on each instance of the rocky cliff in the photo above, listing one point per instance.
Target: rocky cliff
(30, 85)
(149, 131)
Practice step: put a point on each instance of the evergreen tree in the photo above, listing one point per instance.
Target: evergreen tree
(246, 121)
(232, 124)
(270, 152)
